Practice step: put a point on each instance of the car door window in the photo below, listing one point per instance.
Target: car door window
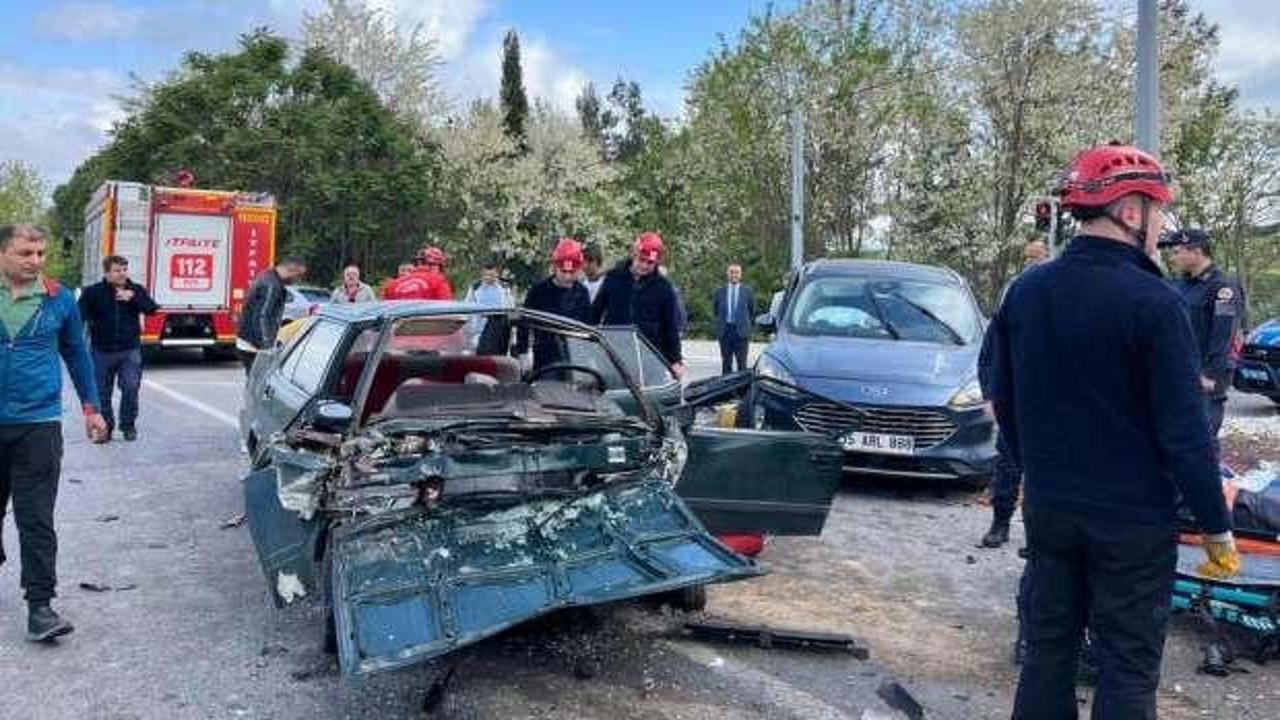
(306, 365)
(641, 360)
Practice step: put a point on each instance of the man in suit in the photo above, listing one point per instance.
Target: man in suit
(734, 305)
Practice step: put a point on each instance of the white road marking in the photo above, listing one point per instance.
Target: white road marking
(220, 383)
(194, 404)
(775, 689)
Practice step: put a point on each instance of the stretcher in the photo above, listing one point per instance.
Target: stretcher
(1249, 600)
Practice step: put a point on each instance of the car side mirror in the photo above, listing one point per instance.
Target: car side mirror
(333, 416)
(767, 322)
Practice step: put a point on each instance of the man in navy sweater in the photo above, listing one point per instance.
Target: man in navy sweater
(636, 293)
(1095, 383)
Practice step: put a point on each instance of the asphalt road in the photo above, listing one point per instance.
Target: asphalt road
(188, 631)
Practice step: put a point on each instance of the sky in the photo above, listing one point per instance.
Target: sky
(63, 62)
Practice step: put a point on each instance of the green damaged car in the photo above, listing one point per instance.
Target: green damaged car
(431, 490)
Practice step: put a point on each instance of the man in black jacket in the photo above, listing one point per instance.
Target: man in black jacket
(264, 309)
(1095, 383)
(111, 309)
(635, 293)
(561, 294)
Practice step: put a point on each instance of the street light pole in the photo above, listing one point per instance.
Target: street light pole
(797, 185)
(1146, 87)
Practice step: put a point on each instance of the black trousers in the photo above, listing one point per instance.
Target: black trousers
(246, 359)
(1005, 482)
(30, 461)
(1116, 575)
(1216, 409)
(733, 347)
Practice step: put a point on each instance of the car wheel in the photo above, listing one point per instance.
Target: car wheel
(689, 599)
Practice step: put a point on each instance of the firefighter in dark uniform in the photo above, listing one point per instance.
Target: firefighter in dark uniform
(1216, 305)
(560, 294)
(1095, 383)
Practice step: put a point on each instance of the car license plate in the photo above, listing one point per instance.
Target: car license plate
(879, 443)
(1253, 374)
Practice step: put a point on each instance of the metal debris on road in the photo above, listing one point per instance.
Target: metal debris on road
(768, 638)
(1219, 662)
(234, 521)
(897, 697)
(103, 587)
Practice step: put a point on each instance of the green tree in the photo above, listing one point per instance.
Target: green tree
(22, 193)
(515, 103)
(400, 65)
(352, 181)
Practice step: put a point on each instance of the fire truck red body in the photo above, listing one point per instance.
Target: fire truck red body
(197, 251)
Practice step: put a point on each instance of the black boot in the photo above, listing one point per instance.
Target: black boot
(130, 433)
(999, 533)
(43, 624)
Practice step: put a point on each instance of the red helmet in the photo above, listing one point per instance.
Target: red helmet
(567, 254)
(1102, 174)
(648, 246)
(431, 255)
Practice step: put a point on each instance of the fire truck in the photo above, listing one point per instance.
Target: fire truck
(197, 251)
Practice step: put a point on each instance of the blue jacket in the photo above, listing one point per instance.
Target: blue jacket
(30, 377)
(1095, 384)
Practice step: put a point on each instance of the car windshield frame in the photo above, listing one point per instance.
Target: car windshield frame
(884, 307)
(536, 321)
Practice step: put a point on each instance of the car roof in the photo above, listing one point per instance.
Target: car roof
(828, 267)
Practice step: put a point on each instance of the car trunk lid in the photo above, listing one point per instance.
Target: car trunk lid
(411, 586)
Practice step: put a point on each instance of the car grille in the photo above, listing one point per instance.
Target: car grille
(928, 427)
(1259, 352)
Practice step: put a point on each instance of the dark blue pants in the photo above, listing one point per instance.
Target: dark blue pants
(123, 367)
(1216, 409)
(30, 460)
(1117, 575)
(1005, 482)
(733, 347)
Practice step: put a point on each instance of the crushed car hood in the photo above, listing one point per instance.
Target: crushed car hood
(407, 587)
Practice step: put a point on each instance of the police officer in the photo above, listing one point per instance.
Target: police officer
(1095, 385)
(1007, 476)
(1215, 304)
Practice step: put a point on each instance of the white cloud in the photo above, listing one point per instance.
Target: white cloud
(1249, 54)
(547, 74)
(449, 22)
(54, 118)
(96, 20)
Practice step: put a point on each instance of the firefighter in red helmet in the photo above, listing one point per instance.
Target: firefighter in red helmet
(636, 293)
(426, 281)
(1095, 384)
(560, 294)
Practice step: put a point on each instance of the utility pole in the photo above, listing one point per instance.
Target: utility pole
(1146, 87)
(797, 185)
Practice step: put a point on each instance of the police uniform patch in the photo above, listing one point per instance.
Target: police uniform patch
(1224, 304)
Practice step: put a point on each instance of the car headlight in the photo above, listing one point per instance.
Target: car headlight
(967, 397)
